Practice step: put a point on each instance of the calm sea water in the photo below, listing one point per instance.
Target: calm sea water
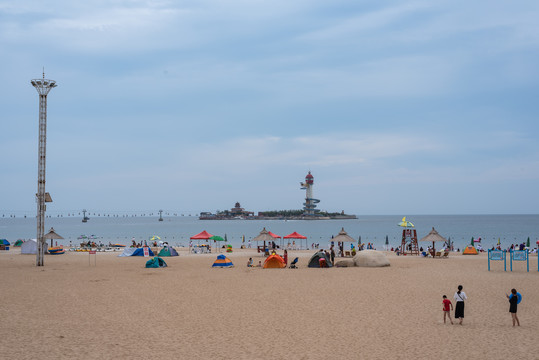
(178, 229)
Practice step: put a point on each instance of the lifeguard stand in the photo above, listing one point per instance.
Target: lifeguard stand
(409, 242)
(409, 238)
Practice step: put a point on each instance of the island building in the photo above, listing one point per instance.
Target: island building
(237, 212)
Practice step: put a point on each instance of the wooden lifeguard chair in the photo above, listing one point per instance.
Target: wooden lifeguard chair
(409, 238)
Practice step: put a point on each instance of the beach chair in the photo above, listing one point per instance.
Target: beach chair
(293, 264)
(446, 254)
(438, 254)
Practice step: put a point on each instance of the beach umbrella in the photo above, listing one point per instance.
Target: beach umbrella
(387, 242)
(499, 243)
(471, 243)
(217, 238)
(226, 239)
(528, 242)
(344, 237)
(155, 237)
(275, 236)
(263, 236)
(204, 235)
(296, 235)
(434, 237)
(52, 235)
(405, 223)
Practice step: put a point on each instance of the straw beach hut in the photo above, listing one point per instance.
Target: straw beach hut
(263, 236)
(52, 235)
(343, 237)
(434, 237)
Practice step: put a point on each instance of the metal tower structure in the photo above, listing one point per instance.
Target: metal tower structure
(309, 206)
(43, 86)
(84, 217)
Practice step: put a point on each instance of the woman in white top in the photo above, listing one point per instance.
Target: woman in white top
(459, 297)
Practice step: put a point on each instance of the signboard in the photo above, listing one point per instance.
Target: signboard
(90, 253)
(496, 255)
(520, 255)
(146, 251)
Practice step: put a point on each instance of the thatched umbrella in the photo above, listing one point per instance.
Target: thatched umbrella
(434, 237)
(263, 236)
(343, 237)
(52, 235)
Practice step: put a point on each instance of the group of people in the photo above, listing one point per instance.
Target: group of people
(460, 297)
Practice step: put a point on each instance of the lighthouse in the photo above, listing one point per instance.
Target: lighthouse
(309, 206)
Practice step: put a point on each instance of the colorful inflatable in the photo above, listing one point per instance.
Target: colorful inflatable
(519, 297)
(56, 250)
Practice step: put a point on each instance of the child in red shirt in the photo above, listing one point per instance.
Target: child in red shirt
(447, 307)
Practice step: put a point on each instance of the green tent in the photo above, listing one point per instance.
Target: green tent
(168, 251)
(156, 262)
(19, 242)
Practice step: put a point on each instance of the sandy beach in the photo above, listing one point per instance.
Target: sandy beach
(119, 309)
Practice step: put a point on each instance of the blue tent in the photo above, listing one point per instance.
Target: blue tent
(135, 252)
(140, 252)
(156, 262)
(4, 244)
(222, 261)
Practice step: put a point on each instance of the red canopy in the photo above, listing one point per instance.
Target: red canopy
(295, 235)
(202, 236)
(274, 235)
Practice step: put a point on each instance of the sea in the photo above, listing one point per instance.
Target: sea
(177, 230)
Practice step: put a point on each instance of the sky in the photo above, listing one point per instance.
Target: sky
(396, 107)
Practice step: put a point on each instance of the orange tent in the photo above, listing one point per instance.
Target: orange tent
(274, 262)
(470, 250)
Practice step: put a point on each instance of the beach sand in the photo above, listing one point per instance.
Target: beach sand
(119, 309)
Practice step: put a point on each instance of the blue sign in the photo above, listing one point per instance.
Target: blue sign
(497, 255)
(520, 255)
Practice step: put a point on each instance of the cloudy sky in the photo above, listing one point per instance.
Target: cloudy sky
(418, 107)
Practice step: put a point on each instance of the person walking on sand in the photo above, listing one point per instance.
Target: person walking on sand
(513, 302)
(459, 297)
(447, 307)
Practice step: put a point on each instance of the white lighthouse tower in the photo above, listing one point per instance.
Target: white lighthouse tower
(309, 206)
